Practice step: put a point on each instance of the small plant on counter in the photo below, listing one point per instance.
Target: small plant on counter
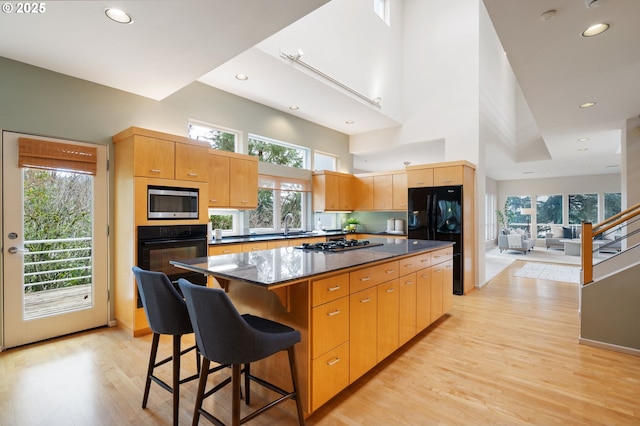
(352, 224)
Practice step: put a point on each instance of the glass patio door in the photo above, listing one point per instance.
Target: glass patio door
(55, 247)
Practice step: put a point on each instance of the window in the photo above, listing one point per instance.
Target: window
(276, 152)
(516, 218)
(322, 161)
(277, 197)
(381, 8)
(226, 220)
(612, 204)
(548, 212)
(218, 138)
(491, 226)
(583, 208)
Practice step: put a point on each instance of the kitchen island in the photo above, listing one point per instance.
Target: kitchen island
(353, 308)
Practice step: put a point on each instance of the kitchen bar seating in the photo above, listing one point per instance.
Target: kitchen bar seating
(226, 337)
(167, 314)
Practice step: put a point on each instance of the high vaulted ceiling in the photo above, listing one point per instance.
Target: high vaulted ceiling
(208, 40)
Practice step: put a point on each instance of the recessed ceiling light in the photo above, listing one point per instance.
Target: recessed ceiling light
(349, 122)
(548, 15)
(118, 15)
(595, 29)
(294, 107)
(587, 105)
(583, 139)
(242, 77)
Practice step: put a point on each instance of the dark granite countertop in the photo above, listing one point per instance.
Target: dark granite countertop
(270, 237)
(278, 266)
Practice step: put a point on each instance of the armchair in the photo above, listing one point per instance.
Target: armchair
(518, 242)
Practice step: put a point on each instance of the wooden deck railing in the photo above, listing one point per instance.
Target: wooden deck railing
(590, 232)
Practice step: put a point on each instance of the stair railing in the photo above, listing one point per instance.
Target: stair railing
(590, 232)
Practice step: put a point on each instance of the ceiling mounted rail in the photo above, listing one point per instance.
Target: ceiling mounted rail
(377, 102)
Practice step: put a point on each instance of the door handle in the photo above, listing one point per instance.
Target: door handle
(14, 250)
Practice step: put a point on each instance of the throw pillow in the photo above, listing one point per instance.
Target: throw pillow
(557, 231)
(567, 232)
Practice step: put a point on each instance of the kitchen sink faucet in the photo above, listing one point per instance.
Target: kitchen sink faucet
(288, 218)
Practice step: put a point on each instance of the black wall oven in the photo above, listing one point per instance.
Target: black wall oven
(157, 245)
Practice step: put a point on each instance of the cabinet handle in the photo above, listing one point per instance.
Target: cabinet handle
(192, 174)
(334, 288)
(409, 282)
(424, 260)
(390, 290)
(368, 299)
(420, 183)
(438, 270)
(333, 361)
(406, 265)
(437, 256)
(212, 200)
(425, 276)
(390, 271)
(226, 251)
(447, 180)
(333, 313)
(365, 279)
(244, 201)
(155, 171)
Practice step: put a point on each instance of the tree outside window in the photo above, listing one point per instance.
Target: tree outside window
(513, 211)
(275, 152)
(278, 197)
(583, 208)
(612, 204)
(548, 212)
(217, 138)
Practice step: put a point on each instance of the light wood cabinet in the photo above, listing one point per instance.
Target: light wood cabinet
(400, 192)
(447, 286)
(448, 175)
(407, 303)
(233, 180)
(255, 246)
(146, 158)
(363, 336)
(419, 177)
(153, 157)
(364, 191)
(423, 299)
(388, 320)
(383, 192)
(191, 163)
(215, 250)
(330, 375)
(333, 191)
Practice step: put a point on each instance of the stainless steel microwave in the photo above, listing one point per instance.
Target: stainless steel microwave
(168, 202)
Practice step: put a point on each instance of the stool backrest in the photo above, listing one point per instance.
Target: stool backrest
(165, 309)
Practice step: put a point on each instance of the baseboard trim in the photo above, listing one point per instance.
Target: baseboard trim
(609, 346)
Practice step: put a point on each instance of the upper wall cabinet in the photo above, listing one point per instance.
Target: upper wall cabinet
(438, 174)
(162, 156)
(333, 191)
(233, 180)
(381, 191)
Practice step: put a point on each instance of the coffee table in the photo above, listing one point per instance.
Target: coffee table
(572, 247)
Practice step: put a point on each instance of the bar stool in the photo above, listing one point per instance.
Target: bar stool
(167, 314)
(226, 337)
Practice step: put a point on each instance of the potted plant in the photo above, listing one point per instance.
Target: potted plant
(352, 224)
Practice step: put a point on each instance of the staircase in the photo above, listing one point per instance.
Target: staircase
(610, 290)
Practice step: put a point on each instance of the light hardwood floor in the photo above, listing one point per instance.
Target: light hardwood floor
(507, 355)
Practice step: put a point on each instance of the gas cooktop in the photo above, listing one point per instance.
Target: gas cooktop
(338, 245)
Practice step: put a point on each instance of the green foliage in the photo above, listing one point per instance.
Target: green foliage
(276, 154)
(221, 221)
(583, 208)
(612, 204)
(57, 205)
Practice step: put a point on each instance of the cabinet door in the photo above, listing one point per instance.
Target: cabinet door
(423, 299)
(364, 190)
(347, 199)
(419, 178)
(255, 246)
(437, 272)
(447, 286)
(192, 162)
(400, 193)
(388, 299)
(218, 181)
(215, 250)
(363, 311)
(329, 326)
(382, 192)
(450, 175)
(329, 375)
(243, 183)
(153, 157)
(407, 308)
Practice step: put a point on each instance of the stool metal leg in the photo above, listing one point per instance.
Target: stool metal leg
(176, 378)
(294, 378)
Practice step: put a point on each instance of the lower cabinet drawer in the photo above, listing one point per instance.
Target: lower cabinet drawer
(329, 325)
(330, 375)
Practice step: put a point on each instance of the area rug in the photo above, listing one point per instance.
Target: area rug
(545, 271)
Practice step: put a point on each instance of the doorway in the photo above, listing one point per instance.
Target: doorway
(55, 242)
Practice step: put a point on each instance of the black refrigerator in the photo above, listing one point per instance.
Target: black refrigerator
(436, 214)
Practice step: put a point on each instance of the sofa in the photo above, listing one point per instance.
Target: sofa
(552, 239)
(515, 241)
